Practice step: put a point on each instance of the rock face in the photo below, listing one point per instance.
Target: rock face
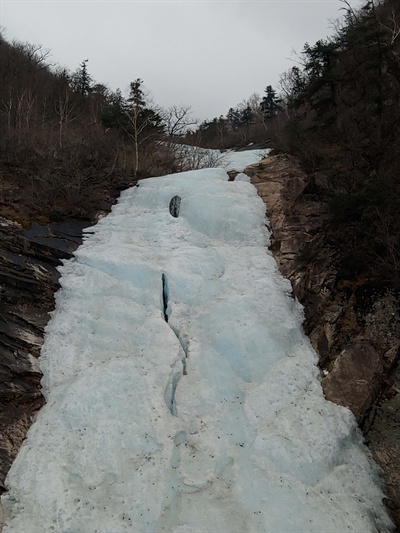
(355, 377)
(28, 281)
(353, 325)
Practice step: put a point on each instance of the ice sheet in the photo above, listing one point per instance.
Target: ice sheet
(182, 395)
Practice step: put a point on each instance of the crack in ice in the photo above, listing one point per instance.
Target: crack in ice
(179, 368)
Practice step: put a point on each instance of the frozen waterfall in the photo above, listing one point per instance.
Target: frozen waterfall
(182, 395)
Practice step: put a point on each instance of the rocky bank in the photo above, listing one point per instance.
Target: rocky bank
(354, 325)
(28, 281)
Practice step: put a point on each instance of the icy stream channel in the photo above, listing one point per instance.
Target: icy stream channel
(182, 395)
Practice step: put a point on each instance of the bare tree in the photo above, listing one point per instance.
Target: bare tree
(144, 122)
(8, 105)
(194, 157)
(255, 105)
(393, 28)
(24, 113)
(136, 131)
(177, 120)
(34, 52)
(64, 108)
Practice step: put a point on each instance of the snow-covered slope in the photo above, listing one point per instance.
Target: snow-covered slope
(238, 161)
(182, 395)
(195, 157)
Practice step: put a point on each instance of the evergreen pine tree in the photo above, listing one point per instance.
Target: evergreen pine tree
(247, 116)
(270, 104)
(82, 81)
(234, 117)
(114, 113)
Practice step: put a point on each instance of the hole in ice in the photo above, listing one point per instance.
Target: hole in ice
(165, 296)
(174, 206)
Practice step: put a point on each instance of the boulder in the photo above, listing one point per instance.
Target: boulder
(355, 378)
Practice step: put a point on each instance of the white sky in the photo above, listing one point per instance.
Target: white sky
(210, 54)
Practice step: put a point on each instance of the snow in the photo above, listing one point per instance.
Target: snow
(182, 395)
(195, 157)
(238, 161)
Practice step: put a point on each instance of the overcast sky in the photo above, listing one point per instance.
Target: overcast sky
(207, 54)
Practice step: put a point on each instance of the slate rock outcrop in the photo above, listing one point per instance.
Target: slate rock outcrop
(28, 281)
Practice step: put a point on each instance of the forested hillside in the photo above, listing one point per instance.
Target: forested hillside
(343, 101)
(67, 142)
(254, 120)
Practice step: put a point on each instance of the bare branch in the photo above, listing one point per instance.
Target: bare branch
(34, 52)
(178, 120)
(394, 30)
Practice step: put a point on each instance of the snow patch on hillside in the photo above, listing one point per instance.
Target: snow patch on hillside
(195, 158)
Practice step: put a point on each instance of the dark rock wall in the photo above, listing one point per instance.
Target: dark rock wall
(28, 281)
